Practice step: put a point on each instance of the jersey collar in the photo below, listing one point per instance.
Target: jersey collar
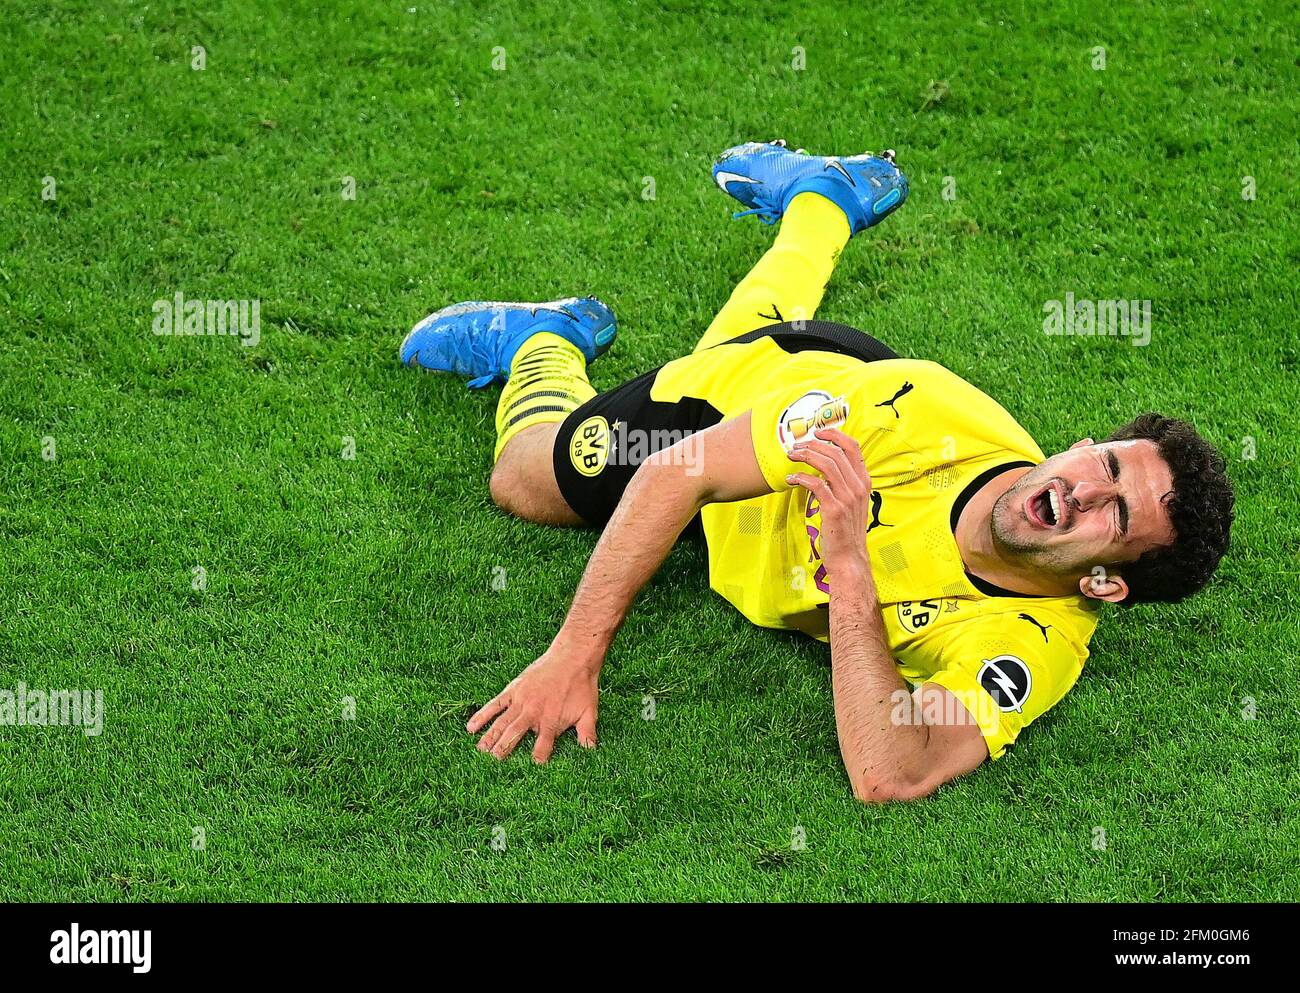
(963, 498)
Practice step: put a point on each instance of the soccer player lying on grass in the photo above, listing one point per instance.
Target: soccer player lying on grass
(882, 504)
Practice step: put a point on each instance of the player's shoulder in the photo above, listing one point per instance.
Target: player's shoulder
(1048, 635)
(1026, 653)
(919, 370)
(944, 404)
(1052, 626)
(1054, 629)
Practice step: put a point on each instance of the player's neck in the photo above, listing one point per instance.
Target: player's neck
(980, 553)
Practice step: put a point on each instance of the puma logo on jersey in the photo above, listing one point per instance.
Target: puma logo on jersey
(1041, 627)
(903, 391)
(877, 501)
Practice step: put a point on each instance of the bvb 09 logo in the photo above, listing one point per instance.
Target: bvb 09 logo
(589, 446)
(913, 615)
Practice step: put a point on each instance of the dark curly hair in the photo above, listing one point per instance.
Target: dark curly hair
(1200, 511)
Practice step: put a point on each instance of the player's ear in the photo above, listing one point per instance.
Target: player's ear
(1100, 584)
(1082, 443)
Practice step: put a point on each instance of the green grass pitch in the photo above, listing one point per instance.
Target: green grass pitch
(227, 768)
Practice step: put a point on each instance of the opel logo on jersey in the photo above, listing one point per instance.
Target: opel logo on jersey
(1007, 681)
(589, 446)
(811, 412)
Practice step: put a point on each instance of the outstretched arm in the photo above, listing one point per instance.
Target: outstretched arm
(559, 690)
(889, 751)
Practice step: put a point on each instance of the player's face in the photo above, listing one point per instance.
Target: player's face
(1092, 505)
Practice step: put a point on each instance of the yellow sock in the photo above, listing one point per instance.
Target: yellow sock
(548, 381)
(788, 282)
(815, 226)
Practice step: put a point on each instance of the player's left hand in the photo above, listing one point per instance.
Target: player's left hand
(843, 491)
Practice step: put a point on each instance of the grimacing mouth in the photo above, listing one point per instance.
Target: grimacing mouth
(1048, 509)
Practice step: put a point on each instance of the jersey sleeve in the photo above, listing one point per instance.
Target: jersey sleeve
(784, 416)
(1004, 676)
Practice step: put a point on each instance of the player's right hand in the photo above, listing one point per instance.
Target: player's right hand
(552, 695)
(842, 486)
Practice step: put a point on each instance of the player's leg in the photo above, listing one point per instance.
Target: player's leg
(523, 479)
(575, 471)
(822, 201)
(541, 352)
(548, 381)
(789, 280)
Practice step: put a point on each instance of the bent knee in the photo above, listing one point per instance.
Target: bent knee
(503, 487)
(529, 498)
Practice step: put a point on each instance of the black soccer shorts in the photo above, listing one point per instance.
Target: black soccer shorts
(592, 480)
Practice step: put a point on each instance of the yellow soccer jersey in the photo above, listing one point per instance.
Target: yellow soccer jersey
(930, 440)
